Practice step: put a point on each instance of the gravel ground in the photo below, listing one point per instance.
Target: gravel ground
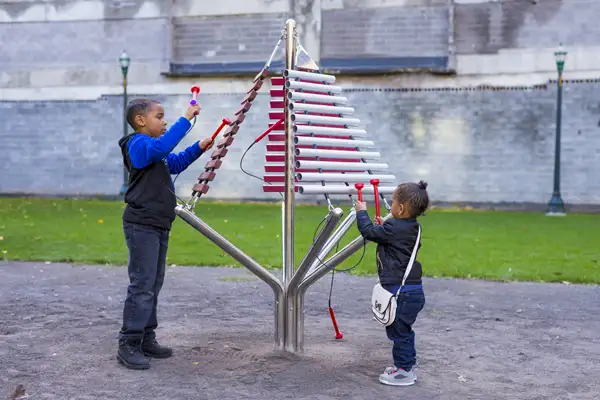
(475, 340)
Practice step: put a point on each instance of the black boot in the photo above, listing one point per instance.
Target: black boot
(131, 356)
(151, 348)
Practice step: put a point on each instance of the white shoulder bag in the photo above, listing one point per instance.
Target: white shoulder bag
(384, 302)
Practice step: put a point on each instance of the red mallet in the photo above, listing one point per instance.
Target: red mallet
(225, 121)
(338, 334)
(359, 186)
(195, 91)
(375, 183)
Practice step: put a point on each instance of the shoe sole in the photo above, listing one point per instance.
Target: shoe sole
(386, 382)
(131, 366)
(162, 356)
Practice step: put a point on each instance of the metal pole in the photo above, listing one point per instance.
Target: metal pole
(556, 205)
(125, 173)
(289, 186)
(246, 261)
(293, 313)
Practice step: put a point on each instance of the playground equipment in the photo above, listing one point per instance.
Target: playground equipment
(315, 148)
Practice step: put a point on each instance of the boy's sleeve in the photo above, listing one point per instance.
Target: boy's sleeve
(370, 231)
(145, 150)
(179, 162)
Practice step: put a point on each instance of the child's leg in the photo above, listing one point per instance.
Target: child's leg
(403, 336)
(152, 323)
(150, 346)
(143, 243)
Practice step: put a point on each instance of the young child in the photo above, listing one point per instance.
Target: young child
(147, 220)
(396, 239)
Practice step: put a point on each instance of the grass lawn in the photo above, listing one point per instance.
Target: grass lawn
(456, 243)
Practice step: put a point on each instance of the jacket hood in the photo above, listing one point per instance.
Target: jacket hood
(123, 141)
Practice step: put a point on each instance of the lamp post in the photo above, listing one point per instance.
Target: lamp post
(124, 61)
(556, 206)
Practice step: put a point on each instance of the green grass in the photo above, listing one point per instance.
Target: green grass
(456, 243)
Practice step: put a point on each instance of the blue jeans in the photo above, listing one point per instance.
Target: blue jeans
(410, 303)
(147, 258)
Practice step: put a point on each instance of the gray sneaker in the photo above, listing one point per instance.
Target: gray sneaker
(397, 377)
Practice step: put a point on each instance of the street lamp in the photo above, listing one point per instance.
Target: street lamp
(556, 206)
(124, 61)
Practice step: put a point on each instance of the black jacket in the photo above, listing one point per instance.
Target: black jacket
(150, 197)
(395, 242)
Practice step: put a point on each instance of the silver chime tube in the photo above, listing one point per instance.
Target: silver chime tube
(307, 140)
(313, 87)
(308, 76)
(371, 155)
(339, 177)
(319, 119)
(324, 130)
(342, 189)
(317, 98)
(343, 166)
(320, 108)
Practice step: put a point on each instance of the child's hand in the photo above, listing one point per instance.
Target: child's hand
(206, 143)
(360, 206)
(378, 221)
(192, 110)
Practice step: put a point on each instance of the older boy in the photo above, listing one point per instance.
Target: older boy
(147, 220)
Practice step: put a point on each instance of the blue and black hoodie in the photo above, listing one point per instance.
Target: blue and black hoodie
(151, 197)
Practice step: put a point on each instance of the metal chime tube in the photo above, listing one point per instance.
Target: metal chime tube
(348, 154)
(320, 108)
(307, 140)
(339, 177)
(324, 130)
(342, 189)
(319, 119)
(317, 98)
(350, 166)
(313, 87)
(308, 76)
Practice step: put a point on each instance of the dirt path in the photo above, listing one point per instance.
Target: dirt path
(476, 340)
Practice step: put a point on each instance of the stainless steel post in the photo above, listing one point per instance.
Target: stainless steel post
(246, 261)
(292, 313)
(289, 185)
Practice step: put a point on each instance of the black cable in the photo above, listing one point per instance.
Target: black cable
(248, 173)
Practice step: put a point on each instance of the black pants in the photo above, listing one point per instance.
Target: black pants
(410, 303)
(147, 258)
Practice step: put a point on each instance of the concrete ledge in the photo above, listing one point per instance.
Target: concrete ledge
(339, 65)
(384, 65)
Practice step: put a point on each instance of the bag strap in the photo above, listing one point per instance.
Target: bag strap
(411, 261)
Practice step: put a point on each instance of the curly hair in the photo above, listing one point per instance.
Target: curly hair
(414, 195)
(138, 107)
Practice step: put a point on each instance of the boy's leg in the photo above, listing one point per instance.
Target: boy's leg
(403, 336)
(150, 346)
(143, 244)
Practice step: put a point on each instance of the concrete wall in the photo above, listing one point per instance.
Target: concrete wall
(60, 84)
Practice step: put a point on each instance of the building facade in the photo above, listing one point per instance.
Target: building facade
(461, 93)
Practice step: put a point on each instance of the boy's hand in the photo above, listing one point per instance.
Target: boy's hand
(378, 221)
(360, 206)
(206, 143)
(192, 110)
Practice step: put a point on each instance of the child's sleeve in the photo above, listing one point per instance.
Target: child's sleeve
(179, 162)
(145, 150)
(375, 233)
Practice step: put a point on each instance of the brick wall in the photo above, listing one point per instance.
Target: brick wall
(471, 145)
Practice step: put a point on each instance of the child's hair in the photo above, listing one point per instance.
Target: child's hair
(414, 195)
(138, 107)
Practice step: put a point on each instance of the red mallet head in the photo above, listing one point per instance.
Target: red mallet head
(359, 186)
(195, 90)
(375, 183)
